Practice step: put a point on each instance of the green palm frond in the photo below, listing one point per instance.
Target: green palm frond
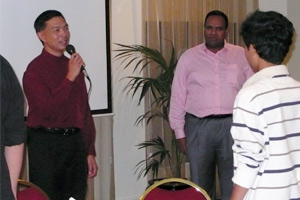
(140, 57)
(154, 160)
(141, 53)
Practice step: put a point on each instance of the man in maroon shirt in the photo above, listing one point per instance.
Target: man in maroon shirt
(61, 131)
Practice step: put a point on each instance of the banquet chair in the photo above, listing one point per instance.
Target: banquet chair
(174, 189)
(30, 191)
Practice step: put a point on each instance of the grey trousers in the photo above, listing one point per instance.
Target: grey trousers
(209, 146)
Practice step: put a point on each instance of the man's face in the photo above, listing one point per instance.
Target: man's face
(55, 36)
(215, 33)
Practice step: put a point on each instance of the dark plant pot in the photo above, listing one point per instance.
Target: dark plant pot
(169, 186)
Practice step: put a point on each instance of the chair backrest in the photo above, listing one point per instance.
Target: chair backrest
(30, 191)
(174, 189)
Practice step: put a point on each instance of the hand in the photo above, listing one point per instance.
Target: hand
(182, 145)
(74, 66)
(238, 192)
(92, 166)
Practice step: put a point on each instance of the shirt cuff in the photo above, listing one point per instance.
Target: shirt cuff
(179, 133)
(244, 177)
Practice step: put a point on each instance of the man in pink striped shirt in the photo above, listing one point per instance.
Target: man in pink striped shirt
(207, 79)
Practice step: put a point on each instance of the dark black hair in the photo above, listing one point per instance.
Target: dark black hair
(217, 13)
(270, 33)
(40, 22)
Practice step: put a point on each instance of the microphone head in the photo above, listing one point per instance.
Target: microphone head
(70, 49)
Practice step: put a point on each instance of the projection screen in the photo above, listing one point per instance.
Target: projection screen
(89, 26)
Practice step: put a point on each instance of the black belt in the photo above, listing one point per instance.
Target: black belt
(218, 116)
(212, 116)
(59, 131)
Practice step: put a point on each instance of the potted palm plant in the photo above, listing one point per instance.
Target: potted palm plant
(139, 57)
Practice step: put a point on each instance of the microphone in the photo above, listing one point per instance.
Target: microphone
(71, 49)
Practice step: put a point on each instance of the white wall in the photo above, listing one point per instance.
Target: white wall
(104, 181)
(290, 9)
(276, 5)
(294, 16)
(126, 29)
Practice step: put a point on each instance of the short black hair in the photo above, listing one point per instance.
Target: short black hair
(270, 33)
(217, 13)
(40, 22)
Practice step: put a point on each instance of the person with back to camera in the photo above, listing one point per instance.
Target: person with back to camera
(266, 117)
(61, 131)
(206, 81)
(13, 131)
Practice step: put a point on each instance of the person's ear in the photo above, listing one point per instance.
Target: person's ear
(41, 36)
(252, 48)
(226, 33)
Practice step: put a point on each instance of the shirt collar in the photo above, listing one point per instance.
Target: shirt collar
(224, 49)
(267, 73)
(49, 55)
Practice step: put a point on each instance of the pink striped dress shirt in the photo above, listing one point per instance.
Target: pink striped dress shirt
(206, 83)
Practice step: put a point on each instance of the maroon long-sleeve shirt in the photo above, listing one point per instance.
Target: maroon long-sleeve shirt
(54, 100)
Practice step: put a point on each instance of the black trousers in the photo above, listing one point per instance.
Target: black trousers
(58, 164)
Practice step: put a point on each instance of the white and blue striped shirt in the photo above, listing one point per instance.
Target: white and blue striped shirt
(266, 133)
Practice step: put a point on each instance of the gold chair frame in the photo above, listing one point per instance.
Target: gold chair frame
(179, 180)
(26, 184)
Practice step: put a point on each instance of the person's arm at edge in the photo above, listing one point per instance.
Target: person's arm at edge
(245, 155)
(92, 166)
(238, 192)
(90, 133)
(181, 140)
(14, 159)
(13, 124)
(182, 144)
(177, 112)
